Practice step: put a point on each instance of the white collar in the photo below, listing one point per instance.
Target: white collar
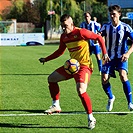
(117, 25)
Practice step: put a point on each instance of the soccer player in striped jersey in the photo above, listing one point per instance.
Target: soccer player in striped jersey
(76, 41)
(116, 34)
(94, 46)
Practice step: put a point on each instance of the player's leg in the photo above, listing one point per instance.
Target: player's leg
(97, 52)
(99, 62)
(126, 83)
(107, 86)
(86, 101)
(53, 79)
(82, 78)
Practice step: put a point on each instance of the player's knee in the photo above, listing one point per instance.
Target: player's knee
(81, 91)
(123, 76)
(50, 78)
(104, 80)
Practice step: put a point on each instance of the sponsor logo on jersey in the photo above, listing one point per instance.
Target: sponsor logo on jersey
(74, 49)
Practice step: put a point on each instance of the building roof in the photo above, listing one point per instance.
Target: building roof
(7, 3)
(4, 4)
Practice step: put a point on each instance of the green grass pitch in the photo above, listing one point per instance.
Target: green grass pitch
(24, 90)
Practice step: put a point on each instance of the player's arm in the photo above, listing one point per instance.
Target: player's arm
(98, 27)
(56, 54)
(86, 34)
(130, 50)
(126, 55)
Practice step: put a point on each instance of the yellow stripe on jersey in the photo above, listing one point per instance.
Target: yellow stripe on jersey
(86, 78)
(79, 50)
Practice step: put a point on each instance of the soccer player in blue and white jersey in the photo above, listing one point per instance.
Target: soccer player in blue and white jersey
(116, 34)
(94, 46)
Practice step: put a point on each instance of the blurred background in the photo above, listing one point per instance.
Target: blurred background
(43, 16)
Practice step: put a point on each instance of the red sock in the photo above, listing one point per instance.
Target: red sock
(54, 90)
(86, 101)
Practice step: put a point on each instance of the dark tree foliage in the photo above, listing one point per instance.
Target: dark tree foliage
(79, 1)
(100, 11)
(37, 13)
(103, 1)
(29, 13)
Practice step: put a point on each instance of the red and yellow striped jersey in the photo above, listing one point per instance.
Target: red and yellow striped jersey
(77, 44)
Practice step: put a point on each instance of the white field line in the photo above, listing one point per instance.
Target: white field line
(65, 113)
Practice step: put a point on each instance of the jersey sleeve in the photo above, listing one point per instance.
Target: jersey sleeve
(87, 35)
(98, 27)
(131, 36)
(82, 25)
(129, 30)
(103, 30)
(58, 52)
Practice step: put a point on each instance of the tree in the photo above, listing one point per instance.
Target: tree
(103, 1)
(30, 13)
(16, 10)
(79, 1)
(37, 12)
(100, 11)
(74, 11)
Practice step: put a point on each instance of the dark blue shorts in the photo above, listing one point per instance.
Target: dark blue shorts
(115, 64)
(95, 49)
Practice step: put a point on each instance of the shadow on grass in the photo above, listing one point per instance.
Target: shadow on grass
(14, 125)
(12, 74)
(41, 111)
(23, 110)
(23, 125)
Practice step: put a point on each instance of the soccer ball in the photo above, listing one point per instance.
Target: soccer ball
(72, 66)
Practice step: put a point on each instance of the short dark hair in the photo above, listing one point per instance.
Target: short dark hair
(114, 7)
(64, 17)
(86, 13)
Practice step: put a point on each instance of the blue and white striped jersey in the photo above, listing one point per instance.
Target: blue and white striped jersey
(116, 38)
(92, 26)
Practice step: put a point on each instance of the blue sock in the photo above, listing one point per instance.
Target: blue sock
(107, 89)
(99, 65)
(128, 91)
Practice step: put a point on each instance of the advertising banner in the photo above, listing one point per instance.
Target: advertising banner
(21, 39)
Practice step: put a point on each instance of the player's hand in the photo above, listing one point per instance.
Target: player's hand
(42, 60)
(125, 57)
(106, 58)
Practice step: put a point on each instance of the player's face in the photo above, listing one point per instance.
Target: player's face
(87, 17)
(67, 25)
(114, 15)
